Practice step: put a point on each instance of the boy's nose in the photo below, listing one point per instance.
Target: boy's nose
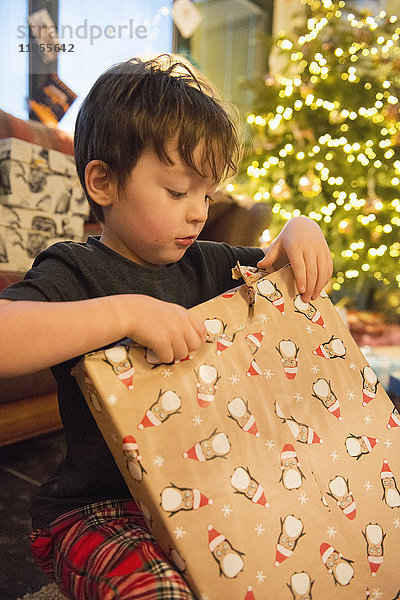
(197, 211)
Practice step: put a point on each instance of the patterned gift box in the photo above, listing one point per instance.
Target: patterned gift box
(267, 463)
(39, 178)
(24, 233)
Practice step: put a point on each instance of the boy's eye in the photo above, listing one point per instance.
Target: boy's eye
(175, 194)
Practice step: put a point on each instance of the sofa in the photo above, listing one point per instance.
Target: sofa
(28, 404)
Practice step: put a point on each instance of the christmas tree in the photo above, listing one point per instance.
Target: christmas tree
(325, 142)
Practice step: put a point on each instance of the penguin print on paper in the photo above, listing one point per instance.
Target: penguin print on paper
(358, 445)
(230, 293)
(374, 536)
(254, 369)
(291, 476)
(244, 483)
(249, 594)
(323, 391)
(217, 445)
(91, 394)
(229, 560)
(391, 494)
(338, 489)
(253, 340)
(175, 499)
(177, 559)
(207, 377)
(300, 585)
(118, 359)
(132, 457)
(216, 334)
(270, 291)
(369, 384)
(167, 404)
(288, 352)
(308, 310)
(238, 411)
(333, 348)
(302, 433)
(292, 529)
(394, 419)
(153, 359)
(340, 568)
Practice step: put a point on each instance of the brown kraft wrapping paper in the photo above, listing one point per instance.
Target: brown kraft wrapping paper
(266, 463)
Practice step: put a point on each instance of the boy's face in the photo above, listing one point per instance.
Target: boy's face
(160, 211)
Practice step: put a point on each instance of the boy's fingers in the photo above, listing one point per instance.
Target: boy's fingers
(199, 327)
(323, 277)
(299, 270)
(270, 256)
(311, 269)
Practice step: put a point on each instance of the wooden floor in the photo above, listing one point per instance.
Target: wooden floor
(23, 467)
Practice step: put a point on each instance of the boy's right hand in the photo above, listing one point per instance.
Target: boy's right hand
(170, 330)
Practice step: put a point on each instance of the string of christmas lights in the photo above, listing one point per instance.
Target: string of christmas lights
(325, 142)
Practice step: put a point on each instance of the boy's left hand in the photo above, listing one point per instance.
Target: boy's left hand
(302, 243)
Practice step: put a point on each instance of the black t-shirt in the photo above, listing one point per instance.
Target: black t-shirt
(71, 271)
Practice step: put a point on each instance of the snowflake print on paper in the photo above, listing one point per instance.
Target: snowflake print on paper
(264, 318)
(259, 529)
(270, 444)
(227, 510)
(159, 460)
(334, 455)
(351, 395)
(388, 443)
(353, 366)
(368, 486)
(396, 522)
(260, 577)
(179, 532)
(303, 499)
(112, 399)
(368, 419)
(331, 531)
(166, 373)
(268, 373)
(234, 378)
(309, 329)
(315, 369)
(197, 420)
(298, 397)
(376, 594)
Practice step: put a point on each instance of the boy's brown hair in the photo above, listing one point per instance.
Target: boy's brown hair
(141, 103)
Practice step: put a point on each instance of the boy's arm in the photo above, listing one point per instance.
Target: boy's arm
(36, 335)
(302, 243)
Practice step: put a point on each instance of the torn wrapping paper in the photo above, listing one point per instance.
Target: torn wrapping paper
(266, 463)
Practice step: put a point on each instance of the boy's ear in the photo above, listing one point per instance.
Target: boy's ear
(100, 183)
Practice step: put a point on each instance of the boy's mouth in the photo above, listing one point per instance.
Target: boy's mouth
(186, 241)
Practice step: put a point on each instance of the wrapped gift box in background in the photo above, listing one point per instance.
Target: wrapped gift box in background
(41, 201)
(267, 463)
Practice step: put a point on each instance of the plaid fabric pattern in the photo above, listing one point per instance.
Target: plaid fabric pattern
(105, 551)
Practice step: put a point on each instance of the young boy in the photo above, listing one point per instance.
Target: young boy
(152, 144)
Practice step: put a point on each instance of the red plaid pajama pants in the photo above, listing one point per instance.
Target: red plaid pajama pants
(105, 551)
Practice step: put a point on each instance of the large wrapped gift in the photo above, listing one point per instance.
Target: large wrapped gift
(41, 202)
(267, 464)
(24, 233)
(39, 178)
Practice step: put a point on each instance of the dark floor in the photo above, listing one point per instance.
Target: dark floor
(23, 467)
